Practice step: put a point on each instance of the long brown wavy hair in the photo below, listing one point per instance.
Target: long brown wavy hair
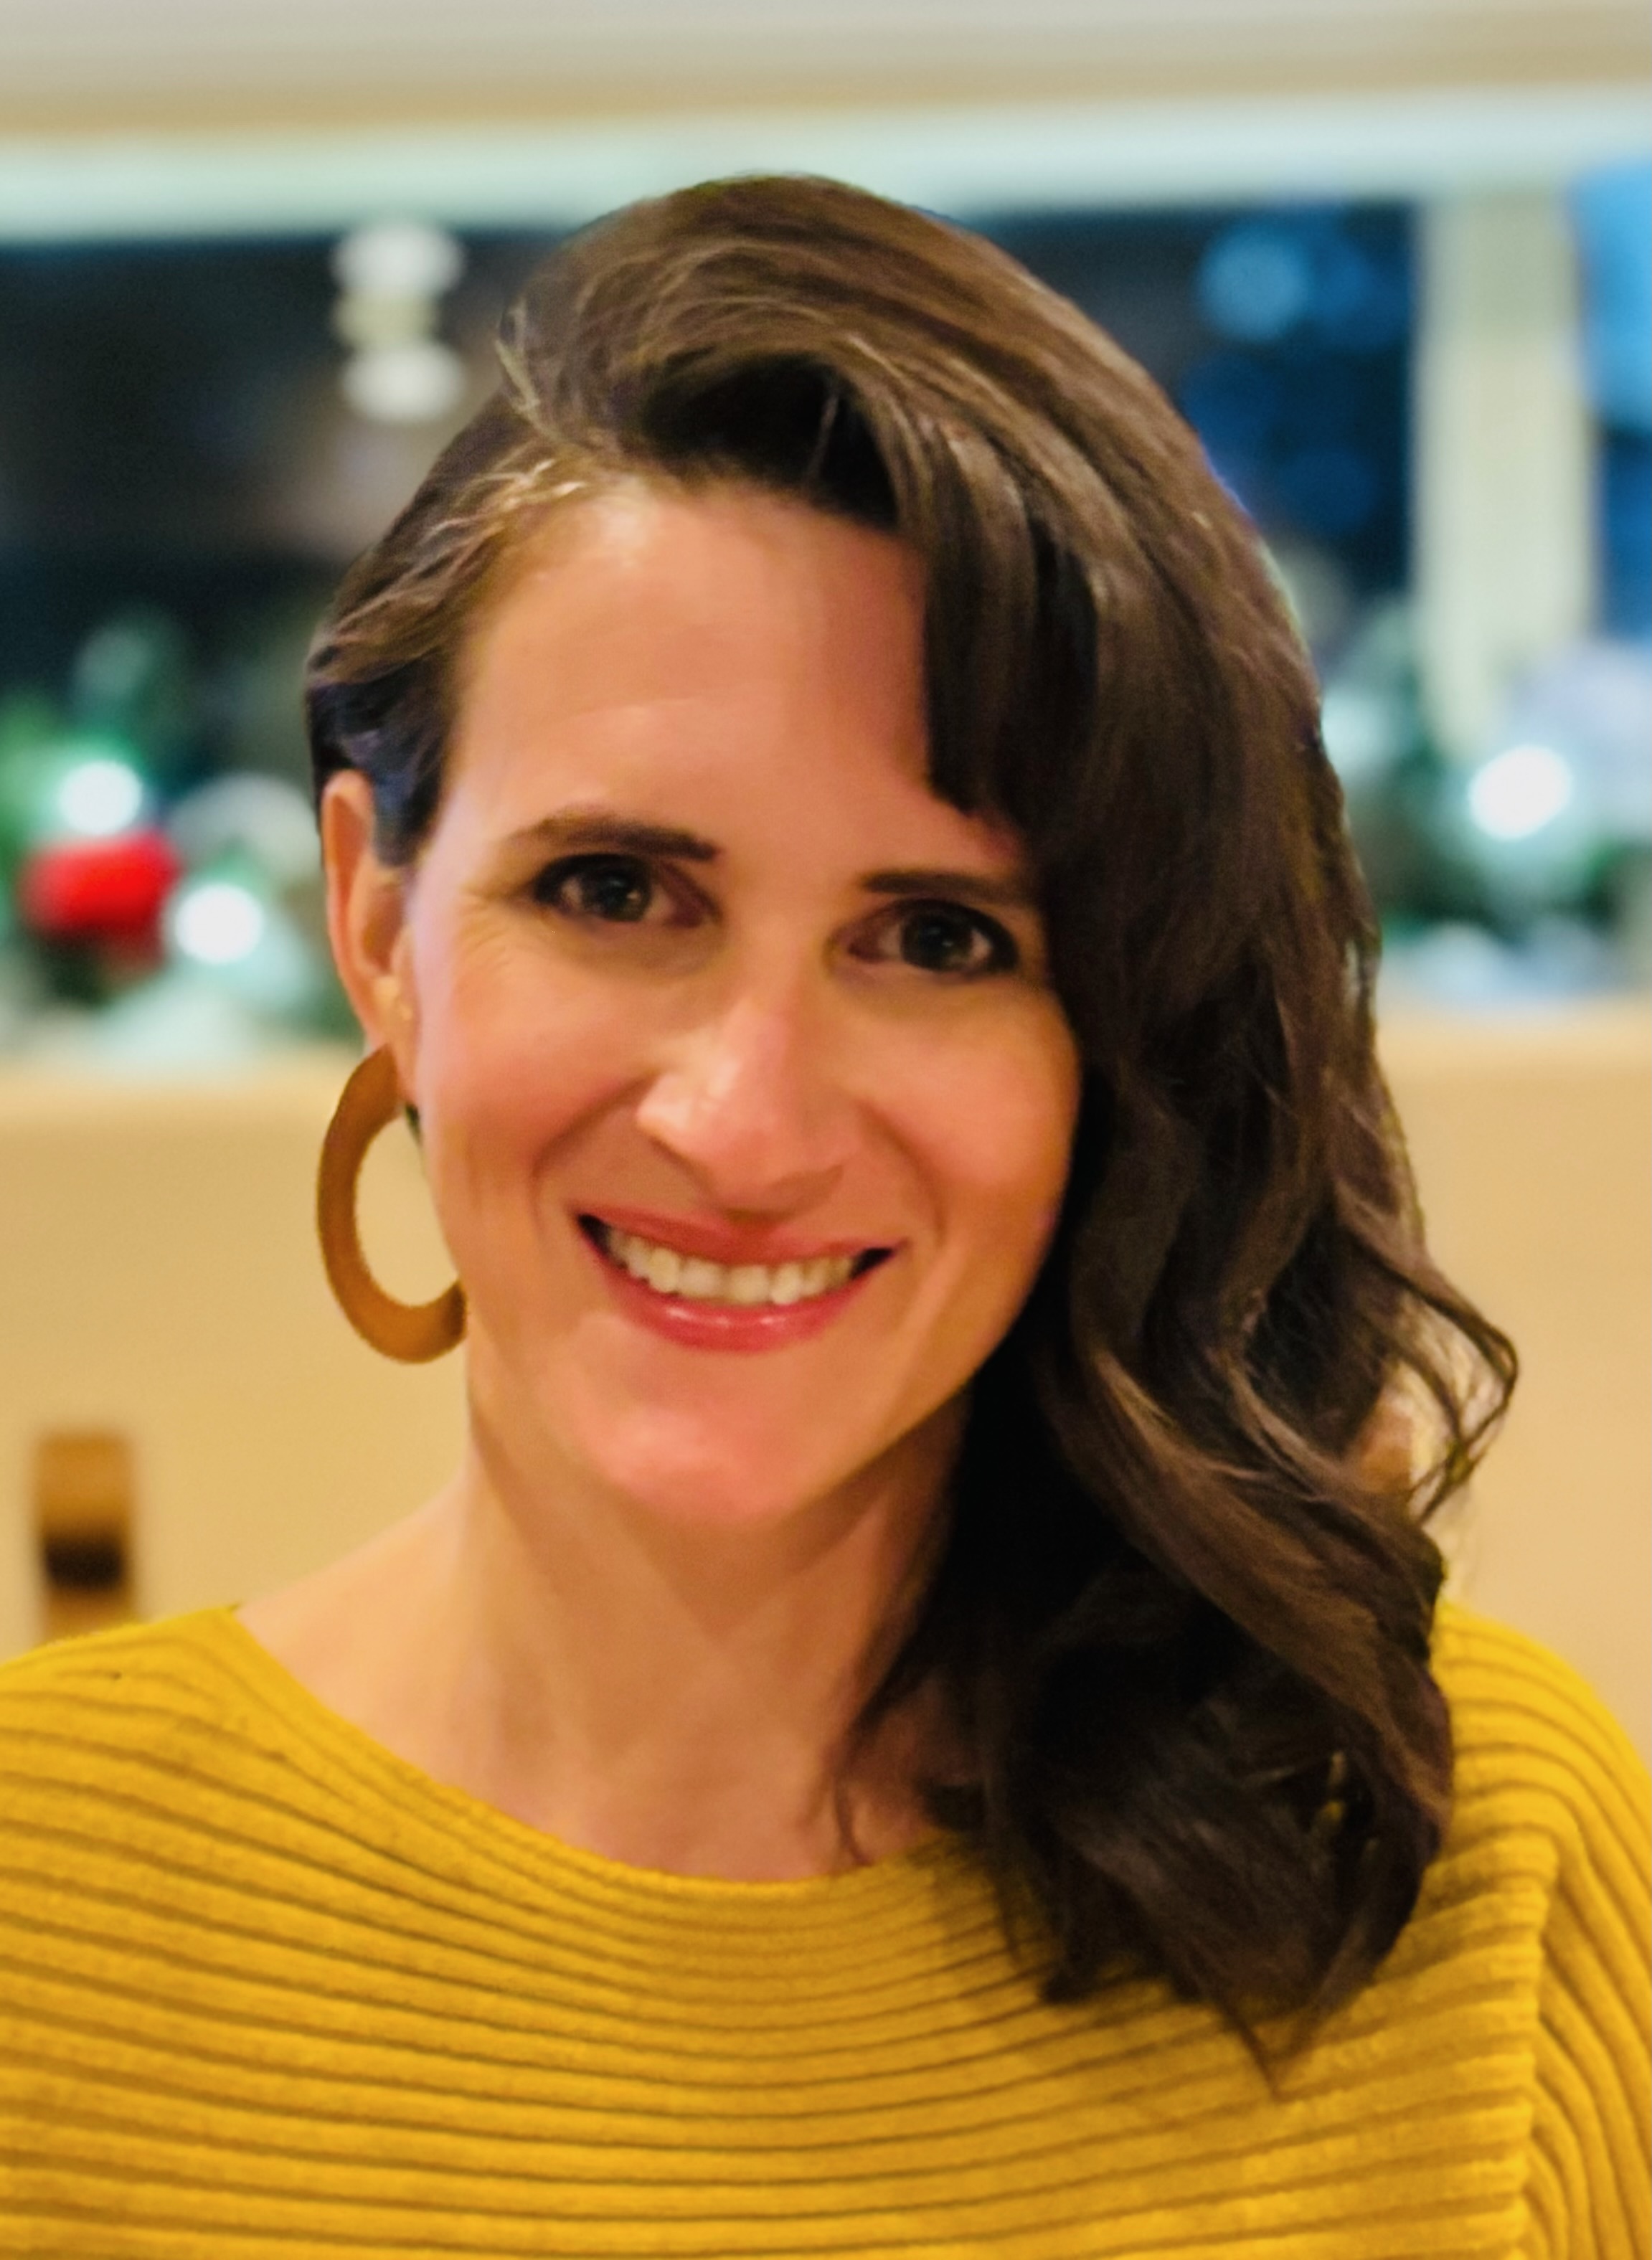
(1182, 1612)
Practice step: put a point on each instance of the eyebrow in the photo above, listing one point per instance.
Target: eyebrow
(603, 830)
(623, 835)
(1009, 893)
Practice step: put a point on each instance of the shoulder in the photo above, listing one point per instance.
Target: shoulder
(152, 1778)
(1549, 1859)
(1550, 1808)
(182, 1655)
(1534, 1739)
(91, 1715)
(1550, 1841)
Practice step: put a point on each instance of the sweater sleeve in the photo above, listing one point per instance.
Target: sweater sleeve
(1589, 2193)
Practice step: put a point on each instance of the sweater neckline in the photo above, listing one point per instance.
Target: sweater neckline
(305, 1716)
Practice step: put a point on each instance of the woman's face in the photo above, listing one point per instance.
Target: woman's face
(746, 1100)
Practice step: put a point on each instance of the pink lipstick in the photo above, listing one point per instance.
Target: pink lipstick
(708, 1285)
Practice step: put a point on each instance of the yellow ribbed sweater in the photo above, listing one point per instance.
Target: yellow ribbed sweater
(266, 1989)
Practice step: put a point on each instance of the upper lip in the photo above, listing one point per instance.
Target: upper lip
(729, 1244)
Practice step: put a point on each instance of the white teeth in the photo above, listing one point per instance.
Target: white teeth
(703, 1282)
(670, 1273)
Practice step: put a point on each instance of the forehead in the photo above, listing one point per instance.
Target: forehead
(671, 582)
(725, 646)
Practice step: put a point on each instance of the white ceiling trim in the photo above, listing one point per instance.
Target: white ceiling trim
(965, 161)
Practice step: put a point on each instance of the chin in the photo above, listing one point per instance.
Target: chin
(709, 1482)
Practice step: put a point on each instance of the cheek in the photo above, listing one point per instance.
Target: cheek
(509, 1061)
(995, 1119)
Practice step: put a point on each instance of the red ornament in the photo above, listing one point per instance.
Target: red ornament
(110, 891)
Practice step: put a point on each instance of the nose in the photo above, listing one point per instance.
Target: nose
(750, 1102)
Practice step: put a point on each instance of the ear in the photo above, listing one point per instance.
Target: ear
(367, 921)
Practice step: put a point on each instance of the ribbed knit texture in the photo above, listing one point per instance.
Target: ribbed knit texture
(266, 1989)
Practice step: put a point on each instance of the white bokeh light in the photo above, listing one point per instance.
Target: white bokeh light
(99, 798)
(218, 922)
(1360, 733)
(1516, 793)
(398, 259)
(413, 383)
(260, 819)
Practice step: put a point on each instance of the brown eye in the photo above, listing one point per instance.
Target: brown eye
(618, 890)
(944, 938)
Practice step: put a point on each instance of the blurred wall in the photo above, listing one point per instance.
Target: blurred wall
(1531, 1139)
(162, 1283)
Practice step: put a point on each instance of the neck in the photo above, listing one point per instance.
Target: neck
(677, 1697)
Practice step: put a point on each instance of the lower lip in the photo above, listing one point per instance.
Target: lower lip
(726, 1325)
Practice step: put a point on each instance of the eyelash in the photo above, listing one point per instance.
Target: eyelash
(641, 875)
(647, 884)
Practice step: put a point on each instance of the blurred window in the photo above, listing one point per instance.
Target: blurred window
(196, 437)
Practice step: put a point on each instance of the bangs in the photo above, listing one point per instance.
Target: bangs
(1042, 633)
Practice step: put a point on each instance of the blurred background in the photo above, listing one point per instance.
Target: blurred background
(1392, 259)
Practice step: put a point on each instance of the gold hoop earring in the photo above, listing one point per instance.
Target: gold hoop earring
(414, 1333)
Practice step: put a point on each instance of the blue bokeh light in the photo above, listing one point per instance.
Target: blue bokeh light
(1359, 304)
(1256, 281)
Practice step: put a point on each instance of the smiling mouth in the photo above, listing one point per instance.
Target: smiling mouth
(743, 1286)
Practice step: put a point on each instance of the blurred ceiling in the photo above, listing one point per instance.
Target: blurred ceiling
(74, 65)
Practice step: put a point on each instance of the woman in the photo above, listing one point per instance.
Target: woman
(922, 1723)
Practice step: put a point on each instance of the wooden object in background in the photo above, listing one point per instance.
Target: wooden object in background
(83, 1516)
